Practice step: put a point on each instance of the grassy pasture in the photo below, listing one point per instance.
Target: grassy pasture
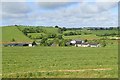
(35, 35)
(103, 31)
(46, 29)
(50, 30)
(89, 37)
(93, 31)
(60, 62)
(8, 33)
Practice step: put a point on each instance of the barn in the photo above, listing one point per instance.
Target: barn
(81, 43)
(73, 42)
(18, 44)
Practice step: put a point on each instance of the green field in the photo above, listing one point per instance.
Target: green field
(60, 62)
(35, 35)
(93, 31)
(9, 33)
(12, 32)
(89, 37)
(50, 30)
(92, 34)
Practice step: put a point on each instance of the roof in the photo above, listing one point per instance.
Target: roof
(85, 43)
(93, 44)
(16, 44)
(78, 42)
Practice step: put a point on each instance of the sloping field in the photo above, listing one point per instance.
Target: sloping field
(50, 30)
(12, 33)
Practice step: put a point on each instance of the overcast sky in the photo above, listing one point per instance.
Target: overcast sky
(64, 13)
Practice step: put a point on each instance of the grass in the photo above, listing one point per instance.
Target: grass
(9, 33)
(36, 35)
(89, 37)
(60, 62)
(103, 31)
(93, 31)
(50, 30)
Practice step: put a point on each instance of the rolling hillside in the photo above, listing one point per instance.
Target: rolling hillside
(50, 30)
(12, 33)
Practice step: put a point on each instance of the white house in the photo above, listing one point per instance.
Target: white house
(73, 42)
(94, 45)
(85, 45)
(81, 43)
(30, 45)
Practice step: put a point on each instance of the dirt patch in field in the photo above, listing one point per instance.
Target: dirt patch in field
(99, 69)
(80, 70)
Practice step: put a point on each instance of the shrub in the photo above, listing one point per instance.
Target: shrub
(59, 37)
(13, 40)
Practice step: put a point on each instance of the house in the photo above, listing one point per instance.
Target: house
(94, 45)
(73, 42)
(18, 44)
(15, 44)
(85, 45)
(30, 45)
(81, 43)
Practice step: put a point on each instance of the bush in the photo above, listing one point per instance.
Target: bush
(60, 30)
(34, 43)
(52, 35)
(13, 40)
(59, 37)
(103, 44)
(43, 41)
(49, 42)
(72, 33)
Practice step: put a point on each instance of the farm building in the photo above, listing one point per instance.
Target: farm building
(94, 45)
(73, 42)
(81, 43)
(18, 44)
(87, 45)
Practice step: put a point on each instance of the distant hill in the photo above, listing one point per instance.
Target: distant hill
(12, 33)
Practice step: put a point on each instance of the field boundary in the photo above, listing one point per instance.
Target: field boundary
(80, 70)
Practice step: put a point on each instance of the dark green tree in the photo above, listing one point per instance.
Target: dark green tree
(85, 40)
(60, 30)
(13, 40)
(103, 43)
(59, 37)
(56, 26)
(34, 43)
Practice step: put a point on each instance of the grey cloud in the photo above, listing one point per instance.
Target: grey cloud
(15, 7)
(15, 12)
(103, 6)
(13, 0)
(79, 15)
(54, 5)
(8, 16)
(96, 7)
